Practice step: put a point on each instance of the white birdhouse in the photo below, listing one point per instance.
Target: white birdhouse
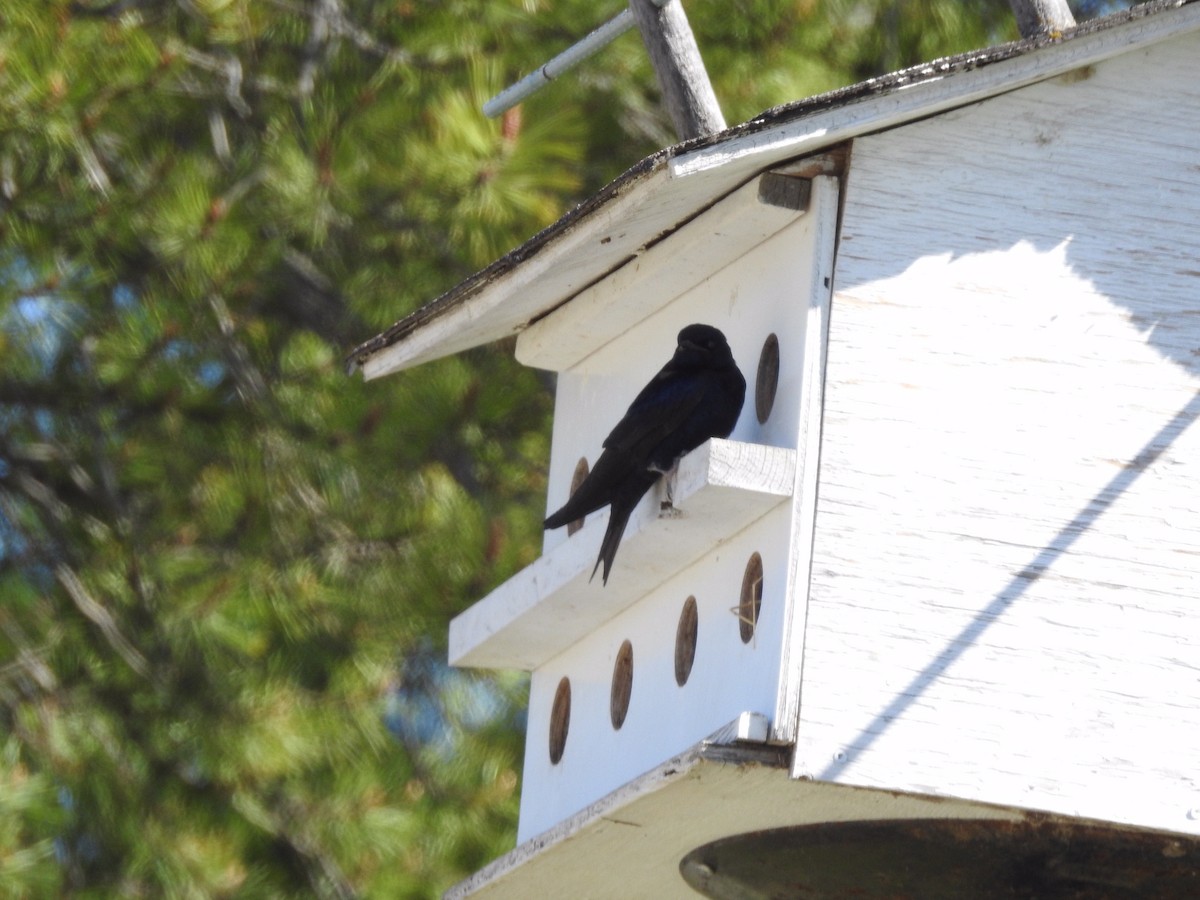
(936, 595)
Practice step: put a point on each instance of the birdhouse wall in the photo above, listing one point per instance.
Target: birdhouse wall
(766, 291)
(1006, 565)
(728, 676)
(773, 289)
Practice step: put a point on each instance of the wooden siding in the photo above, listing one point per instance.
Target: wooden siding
(1005, 594)
(728, 677)
(781, 286)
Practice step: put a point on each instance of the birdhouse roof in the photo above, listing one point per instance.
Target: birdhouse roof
(666, 190)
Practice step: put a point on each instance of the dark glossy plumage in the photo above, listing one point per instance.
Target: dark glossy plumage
(696, 396)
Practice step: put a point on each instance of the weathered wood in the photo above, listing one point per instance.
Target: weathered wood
(687, 92)
(984, 591)
(1039, 17)
(784, 191)
(928, 90)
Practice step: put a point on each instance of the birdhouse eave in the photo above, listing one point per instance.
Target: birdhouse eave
(665, 191)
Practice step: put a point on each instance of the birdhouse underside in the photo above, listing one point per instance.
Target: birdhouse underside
(724, 820)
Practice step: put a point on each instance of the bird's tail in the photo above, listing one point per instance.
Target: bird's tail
(617, 520)
(618, 517)
(597, 489)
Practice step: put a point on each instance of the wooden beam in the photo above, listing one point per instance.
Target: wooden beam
(687, 93)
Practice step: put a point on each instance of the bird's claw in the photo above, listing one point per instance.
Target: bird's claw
(666, 506)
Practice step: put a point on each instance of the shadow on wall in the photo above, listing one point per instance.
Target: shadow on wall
(1094, 179)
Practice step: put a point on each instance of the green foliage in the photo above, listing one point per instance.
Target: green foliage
(227, 568)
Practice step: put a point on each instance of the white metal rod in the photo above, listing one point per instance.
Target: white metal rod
(572, 56)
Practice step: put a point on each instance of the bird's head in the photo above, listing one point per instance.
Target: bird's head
(701, 343)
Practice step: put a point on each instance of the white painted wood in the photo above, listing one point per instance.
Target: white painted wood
(505, 304)
(628, 843)
(673, 189)
(1007, 560)
(764, 291)
(734, 500)
(717, 237)
(732, 160)
(749, 727)
(808, 436)
(728, 677)
(717, 490)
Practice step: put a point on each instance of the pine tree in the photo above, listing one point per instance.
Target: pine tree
(220, 555)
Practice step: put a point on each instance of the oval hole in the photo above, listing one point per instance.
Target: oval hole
(685, 641)
(560, 720)
(581, 472)
(767, 379)
(750, 603)
(622, 684)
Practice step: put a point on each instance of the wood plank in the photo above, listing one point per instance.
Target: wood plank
(819, 292)
(716, 238)
(1005, 569)
(718, 490)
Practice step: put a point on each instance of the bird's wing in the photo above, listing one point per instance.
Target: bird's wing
(658, 412)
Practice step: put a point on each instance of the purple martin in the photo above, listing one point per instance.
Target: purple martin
(696, 396)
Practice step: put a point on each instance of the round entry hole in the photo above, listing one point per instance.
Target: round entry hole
(750, 603)
(581, 472)
(622, 684)
(767, 379)
(685, 641)
(560, 720)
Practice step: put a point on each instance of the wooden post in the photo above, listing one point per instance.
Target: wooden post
(1038, 17)
(687, 92)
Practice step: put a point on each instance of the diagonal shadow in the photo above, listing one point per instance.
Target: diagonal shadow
(1020, 582)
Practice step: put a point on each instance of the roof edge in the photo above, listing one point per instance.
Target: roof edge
(695, 151)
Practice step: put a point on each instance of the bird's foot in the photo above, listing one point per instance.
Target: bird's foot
(666, 506)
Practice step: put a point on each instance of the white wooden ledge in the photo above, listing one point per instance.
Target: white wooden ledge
(718, 489)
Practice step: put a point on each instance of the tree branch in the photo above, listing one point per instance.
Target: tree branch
(1040, 17)
(687, 92)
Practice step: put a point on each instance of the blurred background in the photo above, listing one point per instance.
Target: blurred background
(226, 568)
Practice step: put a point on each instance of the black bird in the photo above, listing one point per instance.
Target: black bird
(696, 396)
